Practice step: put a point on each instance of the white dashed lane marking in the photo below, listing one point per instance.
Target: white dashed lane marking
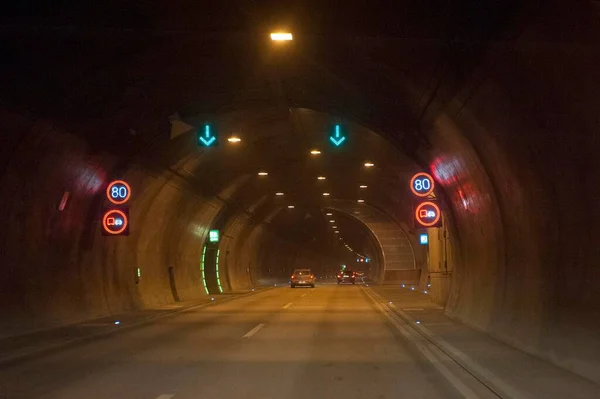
(254, 330)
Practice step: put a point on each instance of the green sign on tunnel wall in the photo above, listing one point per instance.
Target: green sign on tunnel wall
(213, 236)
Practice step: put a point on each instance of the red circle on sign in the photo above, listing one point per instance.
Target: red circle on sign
(428, 223)
(114, 183)
(116, 212)
(422, 175)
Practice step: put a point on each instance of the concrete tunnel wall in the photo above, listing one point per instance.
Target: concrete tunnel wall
(58, 269)
(518, 164)
(511, 138)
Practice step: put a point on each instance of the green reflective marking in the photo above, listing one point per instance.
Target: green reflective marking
(217, 267)
(202, 268)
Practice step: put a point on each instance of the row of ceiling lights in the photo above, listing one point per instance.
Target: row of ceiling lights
(363, 257)
(237, 139)
(368, 164)
(325, 194)
(341, 239)
(288, 37)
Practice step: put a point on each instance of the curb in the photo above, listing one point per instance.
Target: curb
(493, 382)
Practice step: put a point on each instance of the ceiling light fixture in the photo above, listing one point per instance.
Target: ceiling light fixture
(369, 164)
(315, 152)
(281, 36)
(326, 194)
(234, 139)
(291, 207)
(321, 178)
(363, 186)
(279, 194)
(263, 173)
(329, 213)
(361, 201)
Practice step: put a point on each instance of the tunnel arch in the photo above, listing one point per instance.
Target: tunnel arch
(397, 251)
(315, 135)
(523, 276)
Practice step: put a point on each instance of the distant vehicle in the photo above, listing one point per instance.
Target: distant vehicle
(302, 277)
(359, 273)
(346, 276)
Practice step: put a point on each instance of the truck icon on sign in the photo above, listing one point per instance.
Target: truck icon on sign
(424, 213)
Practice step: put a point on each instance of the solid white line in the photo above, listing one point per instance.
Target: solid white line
(287, 306)
(465, 391)
(414, 310)
(254, 330)
(500, 388)
(474, 367)
(166, 396)
(426, 351)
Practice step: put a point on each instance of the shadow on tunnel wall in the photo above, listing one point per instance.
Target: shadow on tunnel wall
(514, 152)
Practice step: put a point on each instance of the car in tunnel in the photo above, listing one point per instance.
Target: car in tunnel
(346, 276)
(303, 278)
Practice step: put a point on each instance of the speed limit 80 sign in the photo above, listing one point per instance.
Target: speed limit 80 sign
(422, 184)
(118, 192)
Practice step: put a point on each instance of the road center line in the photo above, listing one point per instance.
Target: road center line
(254, 330)
(166, 396)
(287, 306)
(302, 296)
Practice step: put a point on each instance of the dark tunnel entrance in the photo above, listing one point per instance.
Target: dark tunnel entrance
(504, 122)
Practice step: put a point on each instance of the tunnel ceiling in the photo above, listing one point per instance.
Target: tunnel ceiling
(281, 145)
(132, 66)
(135, 70)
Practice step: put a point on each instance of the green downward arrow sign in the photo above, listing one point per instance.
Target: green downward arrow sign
(337, 139)
(207, 139)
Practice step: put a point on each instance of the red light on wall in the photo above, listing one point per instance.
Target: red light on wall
(428, 214)
(118, 192)
(63, 201)
(115, 222)
(422, 184)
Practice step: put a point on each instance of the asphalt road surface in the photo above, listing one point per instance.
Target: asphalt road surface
(328, 342)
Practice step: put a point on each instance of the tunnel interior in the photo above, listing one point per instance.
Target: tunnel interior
(503, 119)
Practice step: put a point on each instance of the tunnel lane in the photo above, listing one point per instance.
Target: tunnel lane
(325, 342)
(330, 341)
